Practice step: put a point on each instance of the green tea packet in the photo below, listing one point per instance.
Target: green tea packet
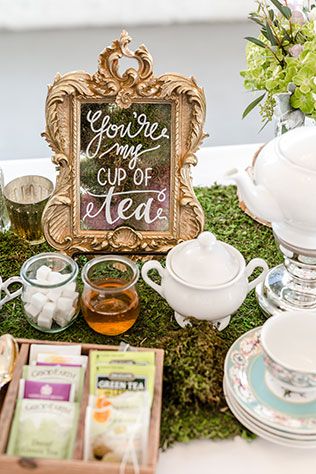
(56, 374)
(43, 429)
(127, 358)
(116, 428)
(114, 372)
(112, 380)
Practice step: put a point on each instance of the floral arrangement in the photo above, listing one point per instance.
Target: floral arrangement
(283, 57)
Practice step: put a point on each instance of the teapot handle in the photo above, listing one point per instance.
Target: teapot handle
(153, 265)
(252, 265)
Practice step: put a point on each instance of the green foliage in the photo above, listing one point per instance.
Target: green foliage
(193, 401)
(282, 58)
(252, 105)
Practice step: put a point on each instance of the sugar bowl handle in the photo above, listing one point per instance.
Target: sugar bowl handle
(252, 265)
(153, 265)
(4, 286)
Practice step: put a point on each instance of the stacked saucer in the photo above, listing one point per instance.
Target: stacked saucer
(288, 419)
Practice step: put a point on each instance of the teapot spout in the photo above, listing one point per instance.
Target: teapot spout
(256, 197)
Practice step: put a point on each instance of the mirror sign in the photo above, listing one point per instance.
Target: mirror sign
(124, 145)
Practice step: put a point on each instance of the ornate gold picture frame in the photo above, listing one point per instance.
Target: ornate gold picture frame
(162, 210)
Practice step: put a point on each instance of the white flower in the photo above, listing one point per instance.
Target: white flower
(296, 50)
(295, 5)
(298, 17)
(312, 15)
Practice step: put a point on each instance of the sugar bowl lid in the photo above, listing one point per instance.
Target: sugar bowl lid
(205, 261)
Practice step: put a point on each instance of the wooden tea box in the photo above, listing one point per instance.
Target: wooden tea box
(16, 465)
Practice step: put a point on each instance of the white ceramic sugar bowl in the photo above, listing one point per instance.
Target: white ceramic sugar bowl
(205, 278)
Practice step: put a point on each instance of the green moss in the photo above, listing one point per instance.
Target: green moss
(193, 401)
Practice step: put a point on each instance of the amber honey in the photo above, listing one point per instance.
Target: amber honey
(110, 312)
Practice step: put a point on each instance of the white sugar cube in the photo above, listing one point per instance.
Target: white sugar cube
(62, 319)
(61, 322)
(64, 305)
(44, 322)
(43, 272)
(45, 318)
(35, 289)
(64, 276)
(32, 311)
(26, 297)
(68, 317)
(48, 310)
(38, 300)
(54, 278)
(30, 290)
(54, 294)
(75, 299)
(69, 290)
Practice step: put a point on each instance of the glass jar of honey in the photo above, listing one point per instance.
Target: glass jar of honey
(110, 303)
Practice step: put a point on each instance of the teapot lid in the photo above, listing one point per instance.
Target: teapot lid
(204, 261)
(298, 147)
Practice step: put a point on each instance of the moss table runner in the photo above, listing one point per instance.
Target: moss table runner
(193, 401)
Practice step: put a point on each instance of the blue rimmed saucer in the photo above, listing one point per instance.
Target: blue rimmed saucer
(268, 433)
(246, 381)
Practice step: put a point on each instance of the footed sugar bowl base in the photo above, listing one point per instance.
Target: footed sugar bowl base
(219, 324)
(291, 285)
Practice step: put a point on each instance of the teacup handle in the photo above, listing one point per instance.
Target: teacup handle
(153, 265)
(252, 265)
(4, 286)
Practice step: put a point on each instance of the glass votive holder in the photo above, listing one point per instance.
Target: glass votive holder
(25, 200)
(110, 303)
(49, 295)
(4, 216)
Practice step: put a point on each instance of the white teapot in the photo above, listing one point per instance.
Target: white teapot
(205, 278)
(283, 187)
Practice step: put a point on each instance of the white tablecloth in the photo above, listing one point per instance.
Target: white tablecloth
(208, 457)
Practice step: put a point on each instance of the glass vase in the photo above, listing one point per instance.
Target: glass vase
(286, 117)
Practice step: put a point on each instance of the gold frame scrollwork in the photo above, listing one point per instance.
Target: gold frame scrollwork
(61, 133)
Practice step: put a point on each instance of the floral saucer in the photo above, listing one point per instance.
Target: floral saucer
(264, 432)
(255, 423)
(245, 379)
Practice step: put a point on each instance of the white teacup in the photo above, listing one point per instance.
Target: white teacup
(289, 346)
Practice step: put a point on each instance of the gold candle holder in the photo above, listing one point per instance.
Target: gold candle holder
(25, 199)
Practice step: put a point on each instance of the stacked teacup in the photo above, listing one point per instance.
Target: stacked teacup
(270, 379)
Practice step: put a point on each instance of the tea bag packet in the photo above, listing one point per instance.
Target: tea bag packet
(62, 359)
(112, 373)
(63, 392)
(112, 380)
(44, 429)
(117, 428)
(118, 415)
(67, 349)
(56, 374)
(126, 358)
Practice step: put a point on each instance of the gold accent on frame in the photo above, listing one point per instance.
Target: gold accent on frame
(61, 216)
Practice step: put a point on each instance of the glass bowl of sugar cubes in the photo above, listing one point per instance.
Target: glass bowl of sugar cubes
(50, 297)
